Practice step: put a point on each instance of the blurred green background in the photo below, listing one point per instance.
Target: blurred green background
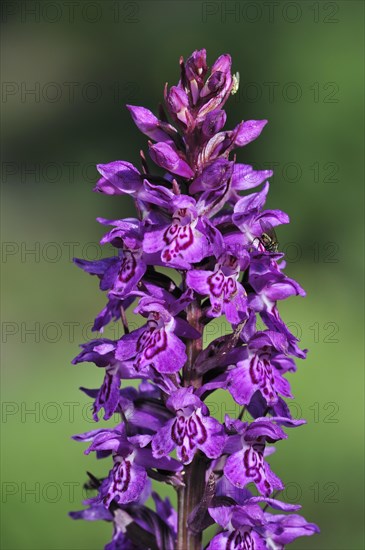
(67, 73)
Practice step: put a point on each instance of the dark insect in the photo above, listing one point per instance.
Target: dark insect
(268, 237)
(92, 483)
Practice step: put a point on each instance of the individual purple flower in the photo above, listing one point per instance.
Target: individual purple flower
(227, 295)
(122, 178)
(148, 123)
(120, 274)
(166, 156)
(190, 430)
(193, 74)
(213, 123)
(217, 88)
(102, 353)
(261, 370)
(249, 215)
(135, 525)
(246, 447)
(156, 344)
(185, 240)
(178, 103)
(128, 478)
(118, 178)
(213, 176)
(270, 284)
(273, 321)
(222, 143)
(248, 527)
(127, 481)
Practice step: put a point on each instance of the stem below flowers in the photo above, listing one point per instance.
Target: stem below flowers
(189, 497)
(191, 494)
(193, 347)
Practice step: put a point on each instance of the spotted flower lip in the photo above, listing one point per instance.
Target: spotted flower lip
(261, 371)
(192, 291)
(227, 295)
(249, 527)
(246, 450)
(127, 479)
(156, 344)
(191, 430)
(186, 240)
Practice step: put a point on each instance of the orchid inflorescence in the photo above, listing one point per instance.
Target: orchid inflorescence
(194, 253)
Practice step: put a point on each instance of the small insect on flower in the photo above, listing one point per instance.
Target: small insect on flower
(92, 483)
(268, 237)
(235, 83)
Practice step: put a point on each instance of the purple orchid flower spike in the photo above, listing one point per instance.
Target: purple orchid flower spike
(196, 258)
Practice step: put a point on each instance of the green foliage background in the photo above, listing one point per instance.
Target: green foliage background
(309, 55)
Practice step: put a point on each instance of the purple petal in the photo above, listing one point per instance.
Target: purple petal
(178, 103)
(108, 395)
(221, 542)
(95, 267)
(95, 512)
(119, 178)
(147, 459)
(213, 176)
(167, 157)
(221, 515)
(213, 123)
(254, 202)
(248, 466)
(212, 438)
(284, 529)
(162, 442)
(198, 280)
(248, 131)
(276, 504)
(146, 121)
(245, 177)
(240, 384)
(127, 481)
(162, 350)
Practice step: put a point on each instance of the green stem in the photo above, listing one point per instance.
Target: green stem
(191, 494)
